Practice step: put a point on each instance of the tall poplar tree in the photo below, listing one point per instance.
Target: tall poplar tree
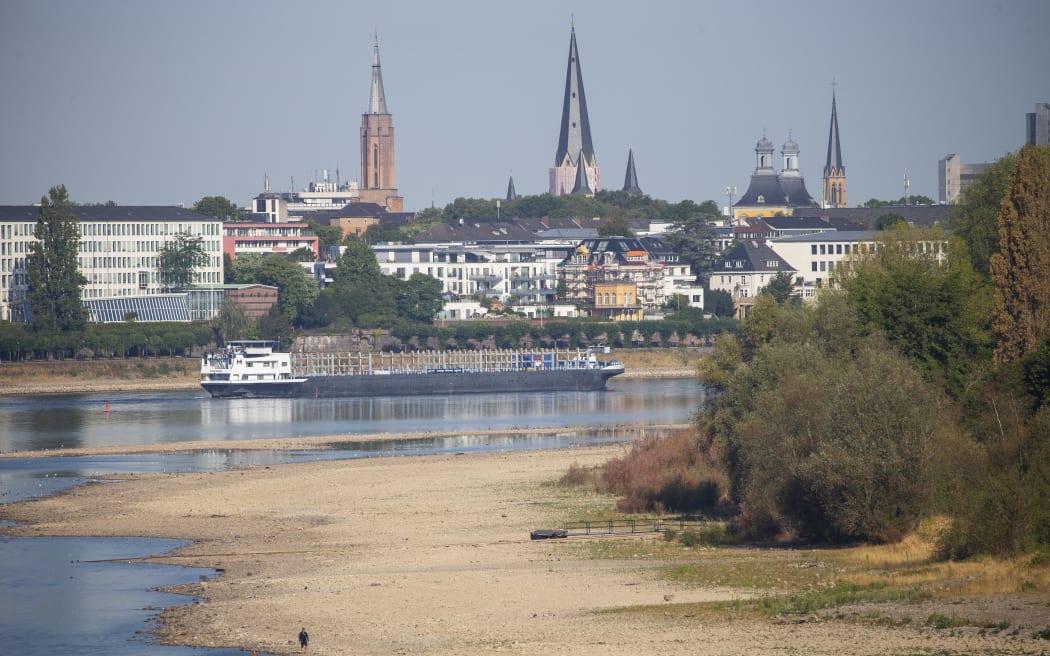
(54, 277)
(1020, 269)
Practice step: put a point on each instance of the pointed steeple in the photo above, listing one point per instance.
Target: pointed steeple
(834, 163)
(581, 186)
(376, 97)
(834, 182)
(630, 182)
(511, 194)
(575, 135)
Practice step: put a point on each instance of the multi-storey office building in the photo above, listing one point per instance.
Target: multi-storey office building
(119, 252)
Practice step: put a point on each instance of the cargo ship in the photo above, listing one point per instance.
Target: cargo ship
(255, 369)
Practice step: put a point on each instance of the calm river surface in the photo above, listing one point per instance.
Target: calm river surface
(70, 421)
(63, 595)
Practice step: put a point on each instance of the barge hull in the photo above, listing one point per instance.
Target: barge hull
(414, 384)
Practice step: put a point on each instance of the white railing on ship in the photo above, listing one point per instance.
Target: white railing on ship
(348, 364)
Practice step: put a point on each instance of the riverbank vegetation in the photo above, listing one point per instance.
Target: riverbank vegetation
(916, 394)
(689, 328)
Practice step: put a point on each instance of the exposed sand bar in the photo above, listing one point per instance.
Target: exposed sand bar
(430, 555)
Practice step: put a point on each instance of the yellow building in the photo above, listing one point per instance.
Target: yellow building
(617, 301)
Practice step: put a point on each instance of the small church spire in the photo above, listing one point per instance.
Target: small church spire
(630, 183)
(511, 194)
(376, 97)
(581, 186)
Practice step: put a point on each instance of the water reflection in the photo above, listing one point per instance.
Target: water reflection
(65, 421)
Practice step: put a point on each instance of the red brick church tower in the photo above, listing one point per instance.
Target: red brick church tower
(377, 146)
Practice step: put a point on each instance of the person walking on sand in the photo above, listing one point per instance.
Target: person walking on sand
(304, 640)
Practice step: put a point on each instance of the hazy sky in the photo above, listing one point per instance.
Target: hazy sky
(157, 103)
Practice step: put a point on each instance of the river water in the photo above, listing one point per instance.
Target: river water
(67, 595)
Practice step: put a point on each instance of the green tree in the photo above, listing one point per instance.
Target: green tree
(218, 207)
(889, 220)
(974, 220)
(327, 235)
(232, 323)
(718, 302)
(179, 260)
(932, 311)
(357, 264)
(999, 482)
(824, 430)
(295, 288)
(695, 239)
(781, 287)
(470, 208)
(383, 231)
(615, 228)
(419, 298)
(303, 254)
(54, 277)
(227, 269)
(1021, 267)
(359, 292)
(274, 325)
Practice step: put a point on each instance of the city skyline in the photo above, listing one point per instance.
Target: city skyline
(145, 103)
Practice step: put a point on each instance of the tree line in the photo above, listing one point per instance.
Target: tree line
(919, 391)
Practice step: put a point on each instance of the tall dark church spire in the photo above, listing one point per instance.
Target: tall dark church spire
(630, 182)
(834, 182)
(511, 194)
(574, 139)
(575, 135)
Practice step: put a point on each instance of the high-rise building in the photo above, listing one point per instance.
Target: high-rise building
(377, 184)
(575, 149)
(834, 187)
(953, 176)
(1038, 125)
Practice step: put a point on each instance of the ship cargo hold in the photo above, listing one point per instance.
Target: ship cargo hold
(254, 369)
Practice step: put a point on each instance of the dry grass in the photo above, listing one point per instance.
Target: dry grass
(659, 358)
(98, 369)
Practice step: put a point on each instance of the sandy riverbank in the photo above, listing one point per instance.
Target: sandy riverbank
(430, 555)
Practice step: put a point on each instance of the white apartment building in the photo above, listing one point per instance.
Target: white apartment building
(119, 251)
(818, 258)
(521, 273)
